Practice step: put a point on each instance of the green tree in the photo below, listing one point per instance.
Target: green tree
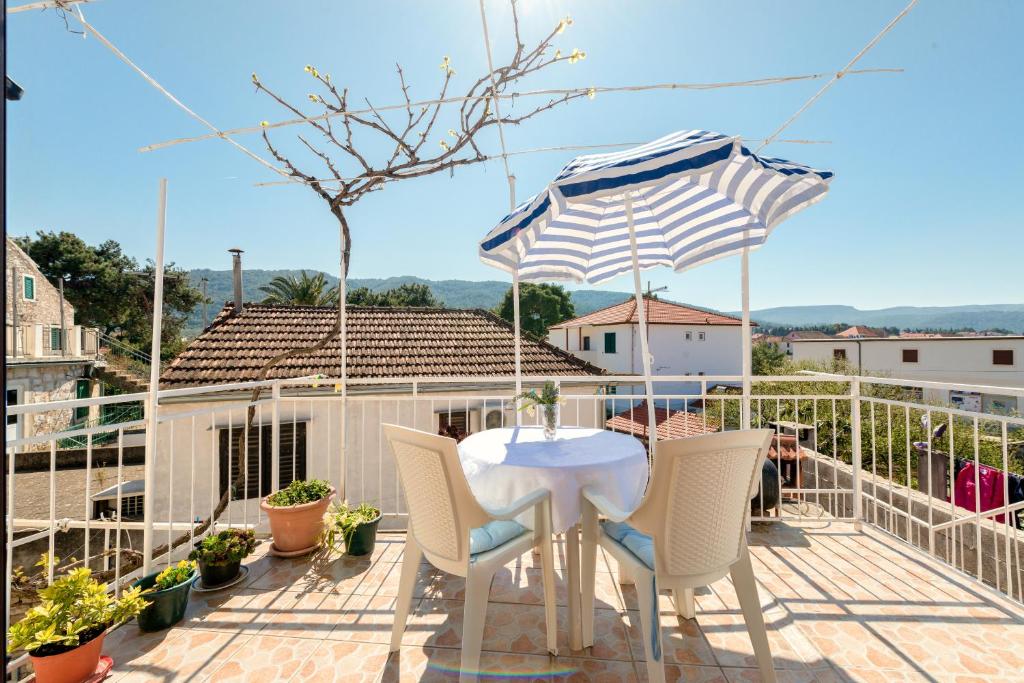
(304, 290)
(540, 307)
(109, 290)
(414, 294)
(767, 359)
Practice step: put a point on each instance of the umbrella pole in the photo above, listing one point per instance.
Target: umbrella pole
(343, 341)
(517, 327)
(747, 341)
(652, 432)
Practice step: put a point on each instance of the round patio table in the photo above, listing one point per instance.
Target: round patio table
(503, 465)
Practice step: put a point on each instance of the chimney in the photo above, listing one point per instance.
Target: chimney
(236, 276)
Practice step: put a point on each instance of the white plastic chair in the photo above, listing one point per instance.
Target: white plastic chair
(443, 513)
(688, 531)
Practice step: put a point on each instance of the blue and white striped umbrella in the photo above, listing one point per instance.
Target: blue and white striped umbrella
(696, 196)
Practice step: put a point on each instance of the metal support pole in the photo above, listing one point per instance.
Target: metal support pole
(154, 385)
(343, 315)
(747, 341)
(275, 438)
(645, 353)
(855, 447)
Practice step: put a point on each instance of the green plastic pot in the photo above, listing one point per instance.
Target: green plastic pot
(167, 607)
(218, 574)
(363, 538)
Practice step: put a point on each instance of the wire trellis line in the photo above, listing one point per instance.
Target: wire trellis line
(597, 90)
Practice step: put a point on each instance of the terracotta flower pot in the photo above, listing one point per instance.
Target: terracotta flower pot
(297, 527)
(73, 666)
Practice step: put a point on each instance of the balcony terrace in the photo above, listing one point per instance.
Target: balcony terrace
(864, 575)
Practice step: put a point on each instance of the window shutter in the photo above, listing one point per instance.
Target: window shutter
(1002, 357)
(29, 287)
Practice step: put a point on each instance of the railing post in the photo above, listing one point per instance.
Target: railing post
(855, 446)
(275, 439)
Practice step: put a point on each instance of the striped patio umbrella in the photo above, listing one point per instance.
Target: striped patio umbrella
(681, 201)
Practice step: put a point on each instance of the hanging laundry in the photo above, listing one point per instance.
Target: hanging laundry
(986, 495)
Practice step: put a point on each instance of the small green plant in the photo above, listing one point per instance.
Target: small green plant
(344, 520)
(75, 608)
(174, 575)
(528, 400)
(298, 492)
(225, 547)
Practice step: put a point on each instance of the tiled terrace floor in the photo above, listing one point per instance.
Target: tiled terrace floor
(841, 605)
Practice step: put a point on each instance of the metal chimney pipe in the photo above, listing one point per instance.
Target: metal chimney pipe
(236, 272)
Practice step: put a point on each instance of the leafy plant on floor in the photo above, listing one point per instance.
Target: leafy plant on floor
(343, 520)
(174, 575)
(75, 608)
(225, 547)
(299, 492)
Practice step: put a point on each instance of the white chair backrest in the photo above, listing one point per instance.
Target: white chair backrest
(442, 508)
(698, 498)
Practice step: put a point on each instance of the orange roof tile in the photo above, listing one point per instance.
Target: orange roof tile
(658, 311)
(675, 424)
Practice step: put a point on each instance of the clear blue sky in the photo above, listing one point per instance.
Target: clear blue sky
(925, 208)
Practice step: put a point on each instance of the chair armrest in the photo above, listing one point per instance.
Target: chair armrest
(520, 506)
(605, 506)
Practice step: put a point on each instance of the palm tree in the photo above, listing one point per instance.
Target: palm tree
(304, 290)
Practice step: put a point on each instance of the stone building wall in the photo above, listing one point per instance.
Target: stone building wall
(43, 382)
(45, 308)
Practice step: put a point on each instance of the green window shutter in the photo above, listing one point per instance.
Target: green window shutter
(609, 342)
(55, 338)
(29, 287)
(82, 390)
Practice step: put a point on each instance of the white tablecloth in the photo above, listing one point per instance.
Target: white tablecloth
(502, 465)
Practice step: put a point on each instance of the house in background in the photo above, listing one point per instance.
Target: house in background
(48, 356)
(799, 335)
(860, 332)
(984, 361)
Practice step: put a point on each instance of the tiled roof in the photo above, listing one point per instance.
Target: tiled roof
(860, 331)
(678, 424)
(805, 334)
(661, 312)
(382, 342)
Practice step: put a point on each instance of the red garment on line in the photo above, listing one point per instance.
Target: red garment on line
(989, 489)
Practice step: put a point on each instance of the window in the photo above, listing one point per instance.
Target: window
(1002, 357)
(259, 453)
(586, 343)
(458, 419)
(12, 400)
(688, 336)
(909, 355)
(131, 506)
(700, 336)
(55, 339)
(28, 287)
(839, 354)
(609, 342)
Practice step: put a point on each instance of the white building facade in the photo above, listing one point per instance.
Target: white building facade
(683, 340)
(986, 361)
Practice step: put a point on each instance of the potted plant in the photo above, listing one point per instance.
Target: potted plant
(63, 635)
(357, 527)
(220, 555)
(296, 515)
(166, 595)
(549, 403)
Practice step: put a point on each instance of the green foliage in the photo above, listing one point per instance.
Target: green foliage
(548, 396)
(304, 290)
(225, 547)
(540, 307)
(767, 359)
(174, 575)
(343, 520)
(75, 608)
(408, 295)
(110, 291)
(298, 492)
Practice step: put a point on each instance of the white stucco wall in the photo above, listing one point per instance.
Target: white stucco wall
(966, 360)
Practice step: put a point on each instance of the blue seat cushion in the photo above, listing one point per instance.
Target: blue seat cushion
(493, 534)
(641, 545)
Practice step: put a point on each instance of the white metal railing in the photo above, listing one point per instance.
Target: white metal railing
(857, 459)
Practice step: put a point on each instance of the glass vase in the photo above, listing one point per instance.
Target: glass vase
(549, 415)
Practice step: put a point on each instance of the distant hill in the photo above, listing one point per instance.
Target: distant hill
(978, 317)
(454, 293)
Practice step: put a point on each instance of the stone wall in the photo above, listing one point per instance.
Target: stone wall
(42, 382)
(45, 308)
